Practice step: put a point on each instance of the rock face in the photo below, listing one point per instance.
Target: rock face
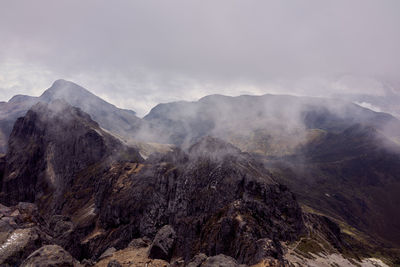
(50, 256)
(217, 199)
(140, 243)
(17, 244)
(219, 261)
(20, 233)
(163, 243)
(47, 148)
(197, 260)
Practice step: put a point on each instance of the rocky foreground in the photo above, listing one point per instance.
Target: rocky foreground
(74, 195)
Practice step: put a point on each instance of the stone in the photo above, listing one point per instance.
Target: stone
(18, 245)
(163, 243)
(108, 253)
(87, 262)
(142, 242)
(50, 255)
(114, 263)
(177, 262)
(220, 261)
(197, 260)
(61, 225)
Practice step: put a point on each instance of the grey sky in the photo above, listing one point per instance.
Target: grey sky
(138, 53)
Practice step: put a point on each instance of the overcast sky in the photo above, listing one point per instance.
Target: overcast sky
(139, 53)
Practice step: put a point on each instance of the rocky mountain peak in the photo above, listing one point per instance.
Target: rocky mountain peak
(122, 122)
(48, 147)
(70, 92)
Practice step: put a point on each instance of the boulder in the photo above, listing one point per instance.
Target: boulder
(87, 262)
(61, 225)
(220, 261)
(114, 263)
(197, 260)
(49, 256)
(108, 253)
(163, 243)
(18, 245)
(142, 242)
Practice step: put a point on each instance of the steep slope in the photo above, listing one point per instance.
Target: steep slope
(47, 148)
(217, 199)
(353, 176)
(16, 107)
(118, 121)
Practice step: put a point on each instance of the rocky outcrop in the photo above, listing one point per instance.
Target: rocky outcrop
(197, 260)
(108, 253)
(114, 263)
(50, 256)
(20, 233)
(217, 199)
(140, 242)
(163, 244)
(47, 148)
(119, 121)
(18, 245)
(220, 261)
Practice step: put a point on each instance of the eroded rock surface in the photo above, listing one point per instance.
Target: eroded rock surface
(163, 243)
(50, 256)
(20, 233)
(93, 192)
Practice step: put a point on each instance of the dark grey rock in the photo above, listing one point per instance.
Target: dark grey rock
(114, 263)
(61, 225)
(217, 204)
(50, 255)
(220, 261)
(18, 245)
(47, 148)
(197, 260)
(87, 262)
(177, 262)
(142, 242)
(108, 253)
(163, 243)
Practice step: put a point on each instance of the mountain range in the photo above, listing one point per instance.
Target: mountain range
(271, 180)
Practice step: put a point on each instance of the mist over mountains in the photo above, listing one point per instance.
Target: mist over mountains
(119, 121)
(223, 133)
(286, 179)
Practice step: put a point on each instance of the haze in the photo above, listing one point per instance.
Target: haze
(136, 54)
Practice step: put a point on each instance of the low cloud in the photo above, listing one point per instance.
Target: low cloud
(139, 53)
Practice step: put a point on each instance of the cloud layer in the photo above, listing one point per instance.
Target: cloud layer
(138, 53)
